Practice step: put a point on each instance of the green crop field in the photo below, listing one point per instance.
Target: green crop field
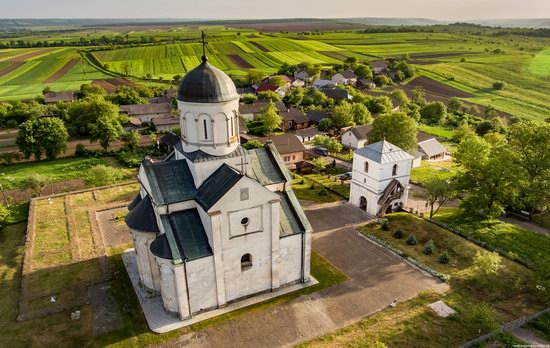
(468, 62)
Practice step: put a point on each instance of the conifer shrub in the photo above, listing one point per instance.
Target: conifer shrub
(411, 239)
(429, 247)
(398, 234)
(444, 257)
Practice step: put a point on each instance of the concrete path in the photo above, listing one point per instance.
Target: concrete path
(530, 337)
(377, 277)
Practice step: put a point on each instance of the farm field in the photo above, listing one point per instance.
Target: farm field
(24, 73)
(467, 64)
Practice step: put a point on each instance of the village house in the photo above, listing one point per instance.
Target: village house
(431, 149)
(169, 141)
(293, 119)
(356, 137)
(380, 178)
(295, 83)
(163, 124)
(133, 124)
(307, 134)
(214, 223)
(54, 97)
(378, 66)
(316, 116)
(158, 100)
(289, 147)
(302, 74)
(319, 83)
(365, 84)
(346, 77)
(252, 111)
(338, 94)
(146, 112)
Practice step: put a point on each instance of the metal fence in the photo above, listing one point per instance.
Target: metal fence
(512, 325)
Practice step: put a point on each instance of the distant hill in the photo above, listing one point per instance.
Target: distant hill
(30, 23)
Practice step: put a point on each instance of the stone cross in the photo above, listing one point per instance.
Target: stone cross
(243, 165)
(204, 42)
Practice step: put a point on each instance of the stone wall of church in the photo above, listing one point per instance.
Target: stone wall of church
(148, 269)
(290, 259)
(357, 191)
(201, 278)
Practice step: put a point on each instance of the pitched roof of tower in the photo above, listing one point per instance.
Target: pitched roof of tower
(170, 181)
(383, 152)
(216, 186)
(206, 84)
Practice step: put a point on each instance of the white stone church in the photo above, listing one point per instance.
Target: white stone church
(380, 178)
(214, 223)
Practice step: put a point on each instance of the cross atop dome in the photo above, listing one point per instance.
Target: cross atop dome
(204, 42)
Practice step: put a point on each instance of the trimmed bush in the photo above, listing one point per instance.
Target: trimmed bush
(385, 226)
(398, 234)
(411, 239)
(444, 257)
(323, 192)
(429, 247)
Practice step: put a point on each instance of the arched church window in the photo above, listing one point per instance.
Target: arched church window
(366, 167)
(231, 120)
(246, 261)
(183, 128)
(205, 125)
(394, 170)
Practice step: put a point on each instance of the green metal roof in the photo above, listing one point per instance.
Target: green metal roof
(171, 181)
(265, 169)
(142, 217)
(216, 186)
(292, 218)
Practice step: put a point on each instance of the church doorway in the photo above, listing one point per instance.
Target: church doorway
(363, 203)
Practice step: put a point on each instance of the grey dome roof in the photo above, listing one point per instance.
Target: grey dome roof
(206, 84)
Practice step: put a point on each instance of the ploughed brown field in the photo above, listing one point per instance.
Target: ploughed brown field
(437, 88)
(59, 73)
(6, 70)
(257, 44)
(240, 61)
(111, 85)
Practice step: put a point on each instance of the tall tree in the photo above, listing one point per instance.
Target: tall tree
(361, 115)
(125, 95)
(45, 135)
(397, 128)
(435, 112)
(105, 130)
(530, 144)
(270, 119)
(487, 175)
(86, 111)
(437, 192)
(342, 115)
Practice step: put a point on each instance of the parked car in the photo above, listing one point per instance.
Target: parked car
(321, 151)
(345, 176)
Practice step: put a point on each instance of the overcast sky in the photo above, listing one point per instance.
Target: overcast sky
(249, 9)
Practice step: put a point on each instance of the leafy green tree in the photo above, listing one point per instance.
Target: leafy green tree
(363, 72)
(45, 135)
(86, 111)
(87, 90)
(342, 115)
(269, 95)
(125, 95)
(434, 113)
(321, 99)
(463, 131)
(493, 125)
(332, 145)
(253, 144)
(361, 115)
(382, 80)
(270, 119)
(319, 164)
(4, 214)
(294, 96)
(105, 130)
(437, 193)
(498, 85)
(418, 96)
(131, 140)
(249, 98)
(455, 105)
(21, 112)
(405, 68)
(325, 124)
(254, 76)
(379, 105)
(397, 128)
(277, 81)
(530, 145)
(401, 96)
(487, 175)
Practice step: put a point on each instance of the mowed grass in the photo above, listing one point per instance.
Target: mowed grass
(13, 176)
(481, 304)
(444, 132)
(428, 170)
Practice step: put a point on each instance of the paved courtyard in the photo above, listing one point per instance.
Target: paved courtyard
(377, 278)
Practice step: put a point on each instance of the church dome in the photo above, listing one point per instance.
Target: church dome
(207, 84)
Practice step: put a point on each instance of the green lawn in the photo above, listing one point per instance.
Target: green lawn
(444, 132)
(13, 176)
(307, 190)
(481, 304)
(427, 170)
(527, 246)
